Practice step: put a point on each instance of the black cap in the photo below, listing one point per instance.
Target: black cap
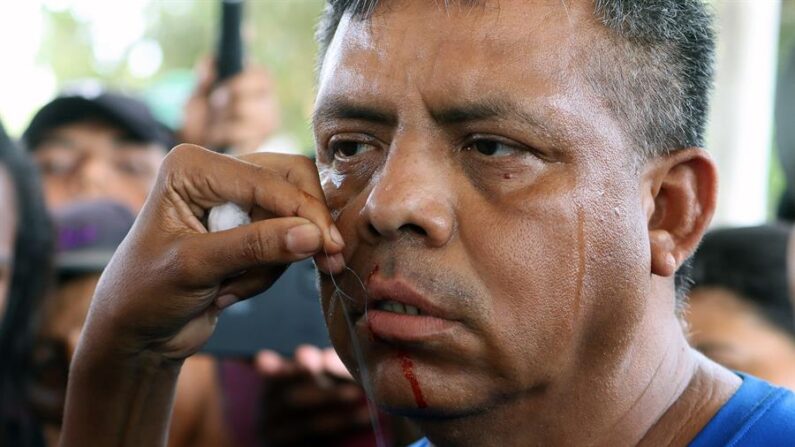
(88, 234)
(124, 111)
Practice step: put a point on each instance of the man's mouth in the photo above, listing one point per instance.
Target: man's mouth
(397, 311)
(397, 307)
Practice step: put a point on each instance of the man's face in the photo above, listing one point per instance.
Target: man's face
(730, 330)
(475, 178)
(93, 160)
(8, 232)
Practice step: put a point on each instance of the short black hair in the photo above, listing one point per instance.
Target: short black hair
(654, 69)
(751, 262)
(32, 261)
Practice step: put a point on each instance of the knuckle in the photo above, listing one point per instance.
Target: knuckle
(259, 246)
(179, 154)
(308, 203)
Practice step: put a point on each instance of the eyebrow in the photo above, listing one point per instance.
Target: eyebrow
(490, 109)
(340, 108)
(480, 110)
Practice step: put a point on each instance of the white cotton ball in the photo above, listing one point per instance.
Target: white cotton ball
(226, 216)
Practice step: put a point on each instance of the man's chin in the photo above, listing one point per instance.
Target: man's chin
(433, 413)
(404, 388)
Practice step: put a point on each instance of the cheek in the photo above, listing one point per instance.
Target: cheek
(558, 265)
(56, 191)
(339, 332)
(533, 269)
(341, 186)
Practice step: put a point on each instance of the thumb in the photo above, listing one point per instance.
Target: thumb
(276, 241)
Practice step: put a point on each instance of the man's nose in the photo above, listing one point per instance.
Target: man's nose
(94, 176)
(412, 194)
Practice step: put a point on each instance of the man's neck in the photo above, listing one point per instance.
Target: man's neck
(662, 393)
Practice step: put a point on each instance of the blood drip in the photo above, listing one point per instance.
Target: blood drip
(408, 373)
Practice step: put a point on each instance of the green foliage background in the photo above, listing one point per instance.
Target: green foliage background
(279, 35)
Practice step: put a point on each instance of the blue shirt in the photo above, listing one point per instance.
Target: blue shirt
(759, 414)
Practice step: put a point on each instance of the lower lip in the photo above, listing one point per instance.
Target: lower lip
(403, 327)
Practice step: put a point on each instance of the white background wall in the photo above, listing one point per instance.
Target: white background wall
(740, 129)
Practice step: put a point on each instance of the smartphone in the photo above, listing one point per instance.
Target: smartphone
(282, 318)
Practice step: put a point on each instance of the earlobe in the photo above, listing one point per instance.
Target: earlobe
(680, 202)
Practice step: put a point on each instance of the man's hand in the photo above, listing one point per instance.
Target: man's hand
(311, 399)
(239, 114)
(167, 282)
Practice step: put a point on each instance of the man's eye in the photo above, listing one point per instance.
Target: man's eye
(57, 166)
(349, 149)
(491, 148)
(138, 168)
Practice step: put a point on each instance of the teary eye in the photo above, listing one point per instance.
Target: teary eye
(348, 149)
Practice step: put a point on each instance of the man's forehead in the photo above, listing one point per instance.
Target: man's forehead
(487, 21)
(459, 59)
(466, 47)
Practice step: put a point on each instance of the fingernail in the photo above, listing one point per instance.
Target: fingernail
(222, 302)
(303, 239)
(330, 264)
(336, 236)
(336, 263)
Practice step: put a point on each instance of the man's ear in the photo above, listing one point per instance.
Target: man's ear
(680, 196)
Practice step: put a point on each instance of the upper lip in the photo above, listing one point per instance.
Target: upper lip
(382, 289)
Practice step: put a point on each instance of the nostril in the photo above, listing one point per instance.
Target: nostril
(412, 228)
(373, 230)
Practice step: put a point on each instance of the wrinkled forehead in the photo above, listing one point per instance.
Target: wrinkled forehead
(461, 45)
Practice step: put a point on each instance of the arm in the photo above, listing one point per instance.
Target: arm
(119, 400)
(158, 300)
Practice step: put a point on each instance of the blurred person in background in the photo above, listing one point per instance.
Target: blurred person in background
(25, 256)
(312, 399)
(92, 143)
(740, 313)
(238, 115)
(88, 234)
(97, 144)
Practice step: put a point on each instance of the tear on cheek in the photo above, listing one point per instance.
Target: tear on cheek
(332, 176)
(336, 179)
